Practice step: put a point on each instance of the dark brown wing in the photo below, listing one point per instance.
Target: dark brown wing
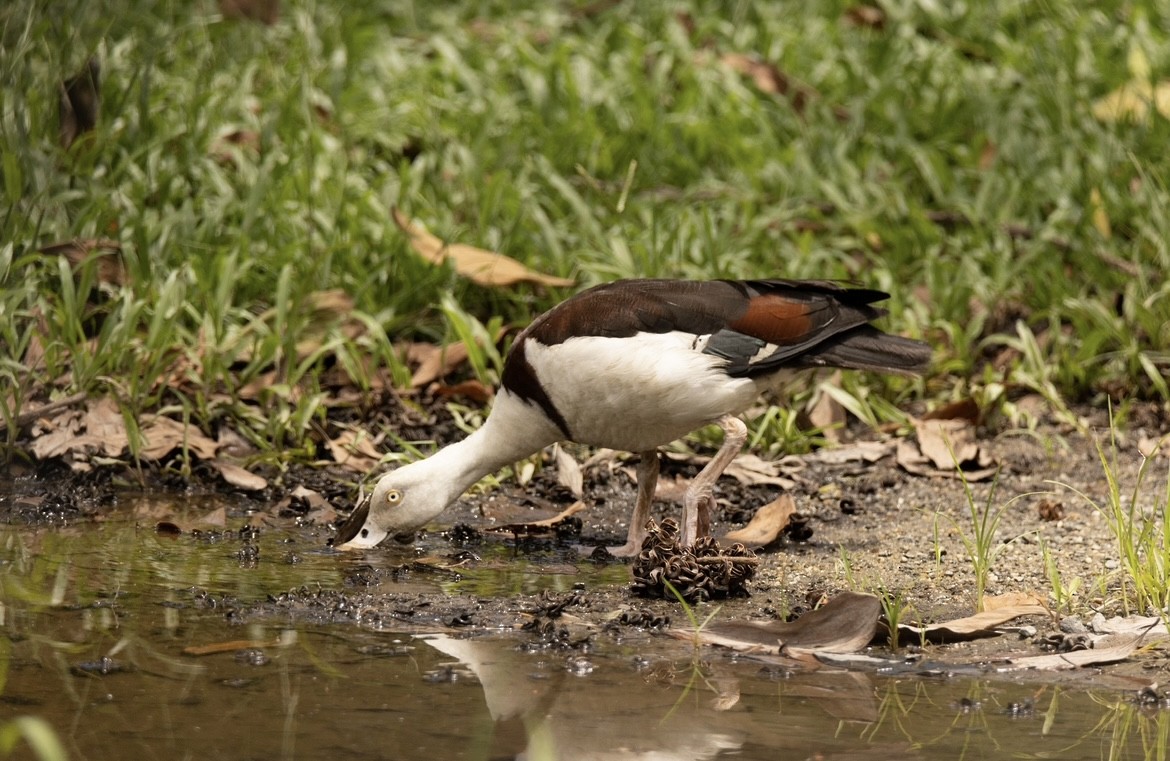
(756, 326)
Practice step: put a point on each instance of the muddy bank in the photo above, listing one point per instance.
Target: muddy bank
(869, 526)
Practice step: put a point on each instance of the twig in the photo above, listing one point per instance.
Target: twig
(25, 418)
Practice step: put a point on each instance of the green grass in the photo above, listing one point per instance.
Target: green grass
(590, 145)
(1140, 525)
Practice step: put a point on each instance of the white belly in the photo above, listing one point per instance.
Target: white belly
(637, 393)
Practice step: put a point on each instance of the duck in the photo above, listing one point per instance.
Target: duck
(634, 365)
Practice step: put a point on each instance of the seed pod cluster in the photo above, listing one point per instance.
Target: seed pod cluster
(705, 571)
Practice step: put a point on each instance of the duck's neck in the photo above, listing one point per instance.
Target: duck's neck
(514, 430)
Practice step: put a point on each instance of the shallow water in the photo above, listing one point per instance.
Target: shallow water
(299, 687)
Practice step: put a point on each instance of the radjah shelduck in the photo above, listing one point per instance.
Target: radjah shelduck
(633, 365)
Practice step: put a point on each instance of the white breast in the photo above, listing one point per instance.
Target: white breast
(637, 393)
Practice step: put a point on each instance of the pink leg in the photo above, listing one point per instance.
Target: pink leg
(647, 480)
(698, 502)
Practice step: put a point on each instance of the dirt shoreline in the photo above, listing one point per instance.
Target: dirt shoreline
(874, 527)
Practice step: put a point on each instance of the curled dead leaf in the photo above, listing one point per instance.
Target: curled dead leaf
(433, 362)
(942, 447)
(106, 253)
(845, 624)
(162, 435)
(239, 477)
(486, 268)
(766, 525)
(354, 449)
(538, 526)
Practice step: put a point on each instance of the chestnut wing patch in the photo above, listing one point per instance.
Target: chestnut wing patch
(778, 327)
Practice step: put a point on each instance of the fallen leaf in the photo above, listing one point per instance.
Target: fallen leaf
(232, 444)
(228, 147)
(568, 472)
(827, 415)
(963, 409)
(79, 103)
(1015, 600)
(766, 525)
(1118, 648)
(473, 389)
(977, 626)
(318, 510)
(1152, 627)
(265, 11)
(534, 527)
(161, 435)
(862, 451)
(866, 15)
(107, 254)
(845, 624)
(354, 449)
(103, 422)
(239, 477)
(943, 446)
(1132, 102)
(486, 268)
(434, 362)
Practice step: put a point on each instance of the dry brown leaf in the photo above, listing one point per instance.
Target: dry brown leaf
(239, 477)
(354, 449)
(766, 525)
(105, 252)
(162, 435)
(79, 103)
(977, 626)
(55, 437)
(862, 451)
(845, 624)
(228, 146)
(314, 500)
(265, 11)
(473, 389)
(963, 409)
(531, 527)
(866, 15)
(103, 421)
(568, 472)
(827, 414)
(942, 445)
(232, 444)
(433, 362)
(1117, 648)
(947, 442)
(1016, 600)
(486, 268)
(768, 78)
